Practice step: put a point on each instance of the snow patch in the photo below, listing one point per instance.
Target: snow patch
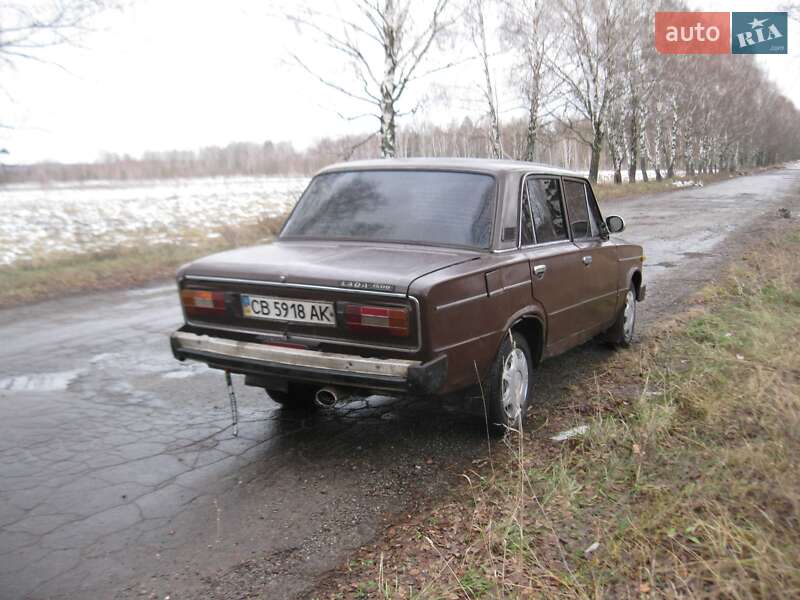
(683, 184)
(39, 221)
(607, 175)
(570, 433)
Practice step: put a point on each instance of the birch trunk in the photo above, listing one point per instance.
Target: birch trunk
(479, 39)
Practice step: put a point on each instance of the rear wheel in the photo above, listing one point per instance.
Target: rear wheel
(509, 385)
(621, 332)
(300, 396)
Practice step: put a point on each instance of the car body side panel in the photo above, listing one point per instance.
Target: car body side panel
(465, 313)
(630, 259)
(599, 281)
(559, 290)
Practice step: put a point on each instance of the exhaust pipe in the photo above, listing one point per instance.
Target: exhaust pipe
(327, 397)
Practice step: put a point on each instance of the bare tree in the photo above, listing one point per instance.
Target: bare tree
(384, 44)
(647, 110)
(27, 28)
(793, 8)
(527, 29)
(616, 135)
(477, 30)
(586, 68)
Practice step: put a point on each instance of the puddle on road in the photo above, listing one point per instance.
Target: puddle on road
(40, 382)
(146, 362)
(150, 291)
(698, 254)
(186, 370)
(104, 357)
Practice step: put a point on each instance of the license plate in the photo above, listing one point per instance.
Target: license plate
(286, 309)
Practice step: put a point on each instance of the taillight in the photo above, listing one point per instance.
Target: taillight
(377, 319)
(202, 302)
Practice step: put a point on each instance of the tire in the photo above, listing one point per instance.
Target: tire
(299, 397)
(509, 386)
(621, 332)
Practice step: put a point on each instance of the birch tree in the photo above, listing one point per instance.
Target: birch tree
(615, 131)
(586, 68)
(384, 45)
(477, 32)
(527, 29)
(658, 143)
(633, 105)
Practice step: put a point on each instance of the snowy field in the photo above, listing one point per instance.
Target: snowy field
(41, 221)
(37, 222)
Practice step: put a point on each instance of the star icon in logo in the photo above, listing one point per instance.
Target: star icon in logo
(757, 23)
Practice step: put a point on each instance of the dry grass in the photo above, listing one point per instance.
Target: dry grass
(686, 485)
(606, 192)
(123, 266)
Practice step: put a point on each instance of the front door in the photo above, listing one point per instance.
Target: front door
(597, 255)
(555, 262)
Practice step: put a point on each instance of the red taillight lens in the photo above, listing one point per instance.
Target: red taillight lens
(200, 302)
(377, 319)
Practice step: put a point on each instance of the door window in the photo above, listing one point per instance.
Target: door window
(547, 209)
(527, 220)
(599, 228)
(575, 192)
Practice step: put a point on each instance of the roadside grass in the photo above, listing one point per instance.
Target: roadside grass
(124, 266)
(605, 192)
(686, 483)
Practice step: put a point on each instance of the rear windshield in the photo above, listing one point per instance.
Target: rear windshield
(430, 207)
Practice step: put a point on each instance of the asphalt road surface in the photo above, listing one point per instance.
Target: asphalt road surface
(120, 477)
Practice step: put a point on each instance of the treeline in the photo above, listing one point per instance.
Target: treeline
(464, 139)
(584, 70)
(595, 95)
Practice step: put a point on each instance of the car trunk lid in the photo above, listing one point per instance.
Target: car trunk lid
(348, 265)
(340, 273)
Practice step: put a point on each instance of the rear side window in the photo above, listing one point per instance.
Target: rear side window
(575, 193)
(527, 219)
(547, 209)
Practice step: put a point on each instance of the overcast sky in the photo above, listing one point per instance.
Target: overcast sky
(181, 74)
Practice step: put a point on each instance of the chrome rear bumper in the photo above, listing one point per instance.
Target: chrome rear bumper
(310, 365)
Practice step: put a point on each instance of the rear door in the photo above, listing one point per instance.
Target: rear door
(597, 254)
(555, 262)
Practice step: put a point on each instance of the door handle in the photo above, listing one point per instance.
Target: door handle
(587, 260)
(540, 270)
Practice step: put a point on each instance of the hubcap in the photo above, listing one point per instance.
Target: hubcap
(515, 384)
(629, 316)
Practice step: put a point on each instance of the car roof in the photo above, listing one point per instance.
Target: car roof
(475, 165)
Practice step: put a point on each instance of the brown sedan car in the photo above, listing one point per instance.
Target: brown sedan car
(413, 277)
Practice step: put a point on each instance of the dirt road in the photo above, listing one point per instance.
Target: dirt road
(120, 478)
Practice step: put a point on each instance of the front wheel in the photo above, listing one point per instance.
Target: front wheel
(509, 385)
(621, 332)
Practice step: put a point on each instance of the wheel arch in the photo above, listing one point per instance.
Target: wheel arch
(531, 326)
(636, 280)
(633, 276)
